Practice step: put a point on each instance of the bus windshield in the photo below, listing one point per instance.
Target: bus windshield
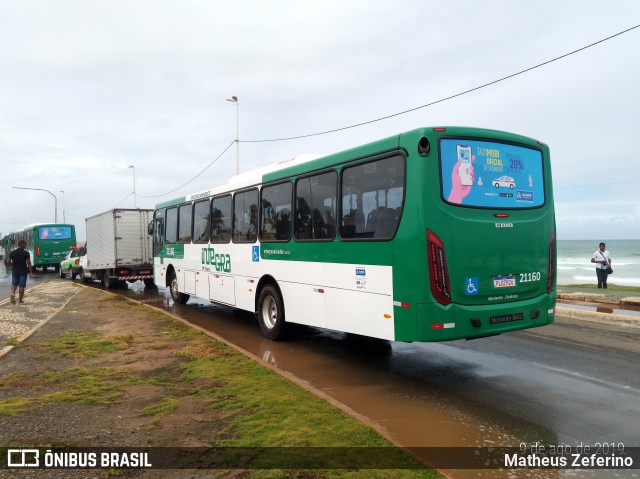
(488, 174)
(54, 232)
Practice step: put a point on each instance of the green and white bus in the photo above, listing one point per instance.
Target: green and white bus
(48, 243)
(435, 234)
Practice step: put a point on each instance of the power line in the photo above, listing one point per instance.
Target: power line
(445, 98)
(404, 112)
(185, 184)
(125, 199)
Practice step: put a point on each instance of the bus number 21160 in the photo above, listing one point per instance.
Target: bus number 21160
(529, 277)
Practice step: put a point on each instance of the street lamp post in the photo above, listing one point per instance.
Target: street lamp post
(64, 217)
(42, 189)
(134, 186)
(234, 99)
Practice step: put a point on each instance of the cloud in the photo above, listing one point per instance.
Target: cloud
(87, 89)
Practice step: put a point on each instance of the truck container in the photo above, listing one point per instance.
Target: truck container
(118, 248)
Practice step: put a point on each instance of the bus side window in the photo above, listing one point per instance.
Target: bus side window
(374, 189)
(201, 222)
(157, 231)
(245, 216)
(221, 219)
(171, 226)
(315, 205)
(184, 223)
(275, 217)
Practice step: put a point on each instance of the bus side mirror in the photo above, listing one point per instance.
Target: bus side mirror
(150, 229)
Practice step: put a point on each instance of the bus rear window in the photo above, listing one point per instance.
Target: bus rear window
(488, 174)
(54, 232)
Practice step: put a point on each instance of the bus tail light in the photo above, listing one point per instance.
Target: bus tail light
(438, 273)
(38, 251)
(551, 268)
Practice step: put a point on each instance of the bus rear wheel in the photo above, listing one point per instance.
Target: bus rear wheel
(271, 313)
(176, 295)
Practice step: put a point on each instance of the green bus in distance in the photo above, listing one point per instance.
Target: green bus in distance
(48, 243)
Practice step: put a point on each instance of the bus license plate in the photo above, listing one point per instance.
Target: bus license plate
(504, 281)
(506, 318)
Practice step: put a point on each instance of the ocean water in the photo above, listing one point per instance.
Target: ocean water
(575, 266)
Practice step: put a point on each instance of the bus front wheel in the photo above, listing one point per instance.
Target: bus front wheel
(271, 313)
(176, 295)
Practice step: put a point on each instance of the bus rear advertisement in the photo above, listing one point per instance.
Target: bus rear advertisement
(434, 234)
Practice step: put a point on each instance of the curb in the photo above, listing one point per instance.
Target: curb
(602, 318)
(600, 298)
(595, 299)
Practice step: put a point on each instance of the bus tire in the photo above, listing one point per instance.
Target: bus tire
(271, 313)
(176, 295)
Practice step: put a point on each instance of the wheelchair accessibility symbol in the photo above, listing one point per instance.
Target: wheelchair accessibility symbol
(255, 256)
(472, 286)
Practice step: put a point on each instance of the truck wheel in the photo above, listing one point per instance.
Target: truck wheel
(271, 313)
(176, 295)
(148, 283)
(106, 281)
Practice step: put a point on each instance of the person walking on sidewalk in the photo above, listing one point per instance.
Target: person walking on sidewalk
(602, 259)
(21, 261)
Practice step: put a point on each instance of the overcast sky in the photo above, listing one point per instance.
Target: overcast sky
(88, 88)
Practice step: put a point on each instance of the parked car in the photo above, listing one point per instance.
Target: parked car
(71, 263)
(504, 181)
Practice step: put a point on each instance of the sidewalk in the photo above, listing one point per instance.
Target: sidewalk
(18, 322)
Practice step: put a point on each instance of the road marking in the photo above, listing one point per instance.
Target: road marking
(590, 378)
(546, 338)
